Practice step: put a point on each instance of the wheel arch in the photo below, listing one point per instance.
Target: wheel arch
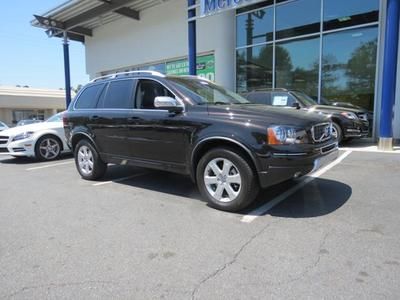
(52, 134)
(207, 144)
(78, 136)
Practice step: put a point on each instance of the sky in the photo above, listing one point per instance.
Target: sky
(27, 55)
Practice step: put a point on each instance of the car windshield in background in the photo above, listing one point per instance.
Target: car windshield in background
(205, 92)
(304, 98)
(55, 118)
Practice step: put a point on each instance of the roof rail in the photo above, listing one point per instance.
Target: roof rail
(121, 74)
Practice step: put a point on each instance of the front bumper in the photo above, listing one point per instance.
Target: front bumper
(280, 167)
(19, 148)
(356, 129)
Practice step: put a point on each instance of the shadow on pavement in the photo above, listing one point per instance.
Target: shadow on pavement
(30, 160)
(320, 197)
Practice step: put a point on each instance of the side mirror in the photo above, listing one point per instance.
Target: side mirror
(296, 105)
(168, 103)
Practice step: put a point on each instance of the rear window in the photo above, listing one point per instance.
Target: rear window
(119, 95)
(88, 98)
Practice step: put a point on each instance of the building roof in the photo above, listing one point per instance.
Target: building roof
(80, 17)
(31, 92)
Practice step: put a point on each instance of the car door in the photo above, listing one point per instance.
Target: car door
(158, 136)
(112, 118)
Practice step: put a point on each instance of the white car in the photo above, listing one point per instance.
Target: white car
(44, 141)
(3, 126)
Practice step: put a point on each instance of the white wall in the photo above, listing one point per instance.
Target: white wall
(161, 34)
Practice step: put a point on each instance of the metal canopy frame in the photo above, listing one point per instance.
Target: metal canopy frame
(74, 25)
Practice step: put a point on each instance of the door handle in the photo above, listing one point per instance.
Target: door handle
(94, 118)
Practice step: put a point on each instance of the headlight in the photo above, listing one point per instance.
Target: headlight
(349, 115)
(22, 136)
(284, 135)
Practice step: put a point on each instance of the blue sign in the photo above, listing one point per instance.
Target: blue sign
(211, 7)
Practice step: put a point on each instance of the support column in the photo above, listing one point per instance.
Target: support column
(192, 39)
(66, 70)
(389, 75)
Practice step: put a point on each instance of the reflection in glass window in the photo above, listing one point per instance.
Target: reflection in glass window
(254, 68)
(298, 18)
(344, 13)
(349, 65)
(255, 27)
(297, 65)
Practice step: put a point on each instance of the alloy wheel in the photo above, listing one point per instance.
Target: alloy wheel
(222, 180)
(49, 148)
(85, 160)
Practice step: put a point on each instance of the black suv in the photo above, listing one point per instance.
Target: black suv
(348, 122)
(189, 125)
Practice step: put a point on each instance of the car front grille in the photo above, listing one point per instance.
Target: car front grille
(3, 150)
(321, 132)
(3, 139)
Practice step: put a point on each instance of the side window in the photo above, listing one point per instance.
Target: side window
(147, 91)
(282, 99)
(259, 98)
(118, 95)
(89, 96)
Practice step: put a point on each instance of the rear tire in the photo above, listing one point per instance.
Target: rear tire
(226, 180)
(88, 161)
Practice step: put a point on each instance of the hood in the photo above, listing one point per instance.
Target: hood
(336, 109)
(31, 127)
(267, 114)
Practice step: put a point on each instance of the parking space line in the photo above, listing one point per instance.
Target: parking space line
(275, 201)
(49, 166)
(119, 179)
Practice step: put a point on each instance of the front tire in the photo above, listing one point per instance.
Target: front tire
(48, 148)
(226, 179)
(337, 132)
(88, 162)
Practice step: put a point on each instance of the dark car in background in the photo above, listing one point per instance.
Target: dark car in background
(348, 123)
(185, 124)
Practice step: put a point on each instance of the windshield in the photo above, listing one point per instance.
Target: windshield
(2, 124)
(55, 118)
(205, 92)
(305, 99)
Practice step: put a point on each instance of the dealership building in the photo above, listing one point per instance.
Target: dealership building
(343, 50)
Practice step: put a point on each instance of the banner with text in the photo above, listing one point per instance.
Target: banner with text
(211, 7)
(205, 67)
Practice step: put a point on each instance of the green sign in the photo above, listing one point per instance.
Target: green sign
(205, 67)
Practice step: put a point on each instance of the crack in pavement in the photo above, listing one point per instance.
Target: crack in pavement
(233, 260)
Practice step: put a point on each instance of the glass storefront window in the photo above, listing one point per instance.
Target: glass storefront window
(298, 18)
(297, 65)
(255, 27)
(345, 13)
(254, 68)
(349, 66)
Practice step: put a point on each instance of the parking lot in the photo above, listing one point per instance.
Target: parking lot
(145, 234)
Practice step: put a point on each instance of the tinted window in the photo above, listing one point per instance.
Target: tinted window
(344, 13)
(255, 27)
(259, 98)
(88, 98)
(118, 95)
(349, 66)
(298, 18)
(254, 68)
(297, 65)
(147, 91)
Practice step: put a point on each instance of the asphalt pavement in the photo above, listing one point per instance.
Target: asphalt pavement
(145, 234)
